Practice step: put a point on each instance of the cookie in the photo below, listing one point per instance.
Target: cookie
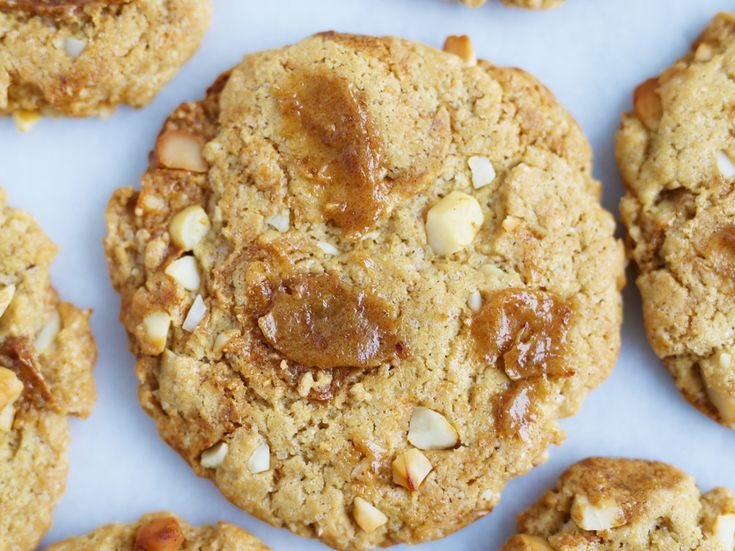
(363, 279)
(84, 57)
(46, 359)
(531, 4)
(676, 153)
(611, 503)
(162, 532)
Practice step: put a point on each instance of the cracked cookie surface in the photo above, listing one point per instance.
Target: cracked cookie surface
(84, 57)
(46, 358)
(675, 152)
(614, 503)
(301, 343)
(162, 532)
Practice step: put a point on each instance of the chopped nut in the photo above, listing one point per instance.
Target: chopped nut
(410, 469)
(156, 325)
(10, 387)
(724, 402)
(48, 334)
(214, 456)
(482, 170)
(475, 301)
(185, 272)
(280, 221)
(160, 534)
(221, 341)
(7, 416)
(453, 223)
(25, 120)
(725, 530)
(429, 430)
(596, 517)
(74, 46)
(180, 150)
(725, 166)
(367, 516)
(188, 227)
(6, 297)
(647, 104)
(704, 52)
(260, 459)
(327, 248)
(510, 223)
(196, 314)
(461, 46)
(530, 543)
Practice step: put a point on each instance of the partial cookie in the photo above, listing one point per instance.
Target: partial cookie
(84, 57)
(367, 277)
(46, 358)
(162, 532)
(531, 4)
(610, 504)
(676, 153)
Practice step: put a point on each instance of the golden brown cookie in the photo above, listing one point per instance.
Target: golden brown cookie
(676, 153)
(84, 57)
(611, 504)
(363, 279)
(531, 4)
(162, 532)
(46, 359)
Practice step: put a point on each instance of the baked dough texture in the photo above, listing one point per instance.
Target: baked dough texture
(330, 326)
(612, 503)
(47, 349)
(162, 532)
(531, 4)
(675, 152)
(84, 57)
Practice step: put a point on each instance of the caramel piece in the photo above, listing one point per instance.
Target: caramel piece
(159, 534)
(318, 321)
(720, 250)
(522, 332)
(515, 410)
(331, 135)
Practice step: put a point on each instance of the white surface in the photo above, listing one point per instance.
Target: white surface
(590, 52)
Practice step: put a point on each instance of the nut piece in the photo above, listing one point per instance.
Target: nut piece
(185, 272)
(196, 314)
(704, 52)
(260, 459)
(429, 430)
(366, 516)
(647, 104)
(10, 387)
(220, 343)
(188, 227)
(180, 150)
(725, 166)
(410, 469)
(156, 326)
(461, 46)
(724, 402)
(6, 297)
(453, 223)
(25, 120)
(327, 248)
(159, 534)
(482, 170)
(214, 456)
(279, 221)
(7, 416)
(48, 334)
(74, 46)
(725, 530)
(596, 518)
(475, 301)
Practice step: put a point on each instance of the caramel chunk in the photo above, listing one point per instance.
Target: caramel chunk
(515, 410)
(720, 250)
(160, 534)
(331, 135)
(318, 321)
(522, 332)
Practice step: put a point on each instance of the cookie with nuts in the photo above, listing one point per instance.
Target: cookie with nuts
(612, 503)
(367, 277)
(676, 153)
(162, 532)
(46, 359)
(531, 4)
(85, 57)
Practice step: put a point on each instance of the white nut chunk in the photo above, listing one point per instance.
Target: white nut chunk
(74, 46)
(279, 221)
(10, 387)
(453, 223)
(6, 297)
(185, 272)
(188, 227)
(180, 150)
(461, 46)
(482, 170)
(26, 120)
(429, 430)
(367, 516)
(410, 469)
(260, 459)
(156, 326)
(475, 301)
(725, 166)
(599, 517)
(196, 314)
(214, 456)
(724, 530)
(48, 334)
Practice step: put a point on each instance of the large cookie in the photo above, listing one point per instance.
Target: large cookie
(46, 359)
(611, 504)
(531, 4)
(84, 57)
(162, 532)
(676, 152)
(363, 279)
